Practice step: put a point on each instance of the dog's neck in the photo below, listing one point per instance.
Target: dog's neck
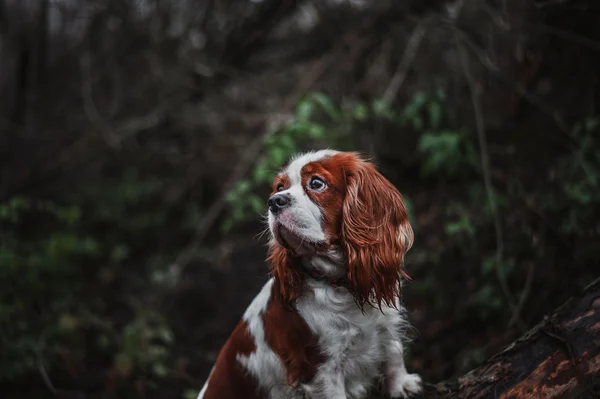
(329, 264)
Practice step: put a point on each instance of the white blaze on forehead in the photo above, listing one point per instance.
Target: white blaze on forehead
(294, 169)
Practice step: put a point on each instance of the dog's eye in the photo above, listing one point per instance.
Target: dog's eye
(280, 187)
(317, 184)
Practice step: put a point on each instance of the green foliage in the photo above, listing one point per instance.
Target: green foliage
(460, 221)
(54, 256)
(445, 152)
(143, 344)
(442, 150)
(575, 212)
(490, 300)
(580, 175)
(34, 270)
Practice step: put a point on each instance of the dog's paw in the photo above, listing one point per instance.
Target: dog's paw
(405, 385)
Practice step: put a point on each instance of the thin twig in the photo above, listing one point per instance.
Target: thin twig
(524, 295)
(61, 393)
(500, 19)
(410, 52)
(485, 165)
(89, 105)
(568, 35)
(485, 60)
(549, 3)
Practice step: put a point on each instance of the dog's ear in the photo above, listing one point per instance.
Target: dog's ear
(375, 234)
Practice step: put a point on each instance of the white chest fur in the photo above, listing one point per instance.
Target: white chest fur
(356, 343)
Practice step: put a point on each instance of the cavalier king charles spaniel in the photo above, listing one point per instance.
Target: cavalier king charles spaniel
(329, 323)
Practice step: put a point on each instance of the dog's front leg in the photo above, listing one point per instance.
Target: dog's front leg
(400, 384)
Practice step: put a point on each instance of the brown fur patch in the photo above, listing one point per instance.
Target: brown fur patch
(230, 380)
(288, 335)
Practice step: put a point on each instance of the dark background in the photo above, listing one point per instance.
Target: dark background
(138, 140)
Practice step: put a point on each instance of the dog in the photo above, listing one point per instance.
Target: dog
(329, 323)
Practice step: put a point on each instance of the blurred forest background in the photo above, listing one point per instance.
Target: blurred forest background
(138, 139)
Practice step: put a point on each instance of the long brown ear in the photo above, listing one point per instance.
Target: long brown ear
(285, 269)
(375, 233)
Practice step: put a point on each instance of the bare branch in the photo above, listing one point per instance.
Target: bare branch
(410, 52)
(474, 88)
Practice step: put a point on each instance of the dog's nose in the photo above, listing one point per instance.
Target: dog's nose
(278, 202)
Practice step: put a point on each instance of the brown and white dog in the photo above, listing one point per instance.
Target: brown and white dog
(329, 321)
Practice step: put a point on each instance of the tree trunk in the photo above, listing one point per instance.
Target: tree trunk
(558, 358)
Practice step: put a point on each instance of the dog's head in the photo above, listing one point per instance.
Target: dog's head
(330, 203)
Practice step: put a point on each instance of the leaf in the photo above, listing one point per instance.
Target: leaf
(123, 364)
(243, 186)
(327, 105)
(159, 369)
(591, 124)
(68, 322)
(415, 105)
(256, 203)
(488, 265)
(238, 214)
(69, 215)
(165, 334)
(417, 122)
(576, 129)
(440, 93)
(472, 156)
(10, 210)
(227, 225)
(61, 246)
(382, 109)
(119, 253)
(442, 152)
(103, 341)
(360, 112)
(463, 225)
(287, 141)
(435, 115)
(316, 131)
(190, 394)
(305, 109)
(261, 175)
(277, 155)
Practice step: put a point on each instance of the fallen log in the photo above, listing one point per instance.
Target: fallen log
(558, 358)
